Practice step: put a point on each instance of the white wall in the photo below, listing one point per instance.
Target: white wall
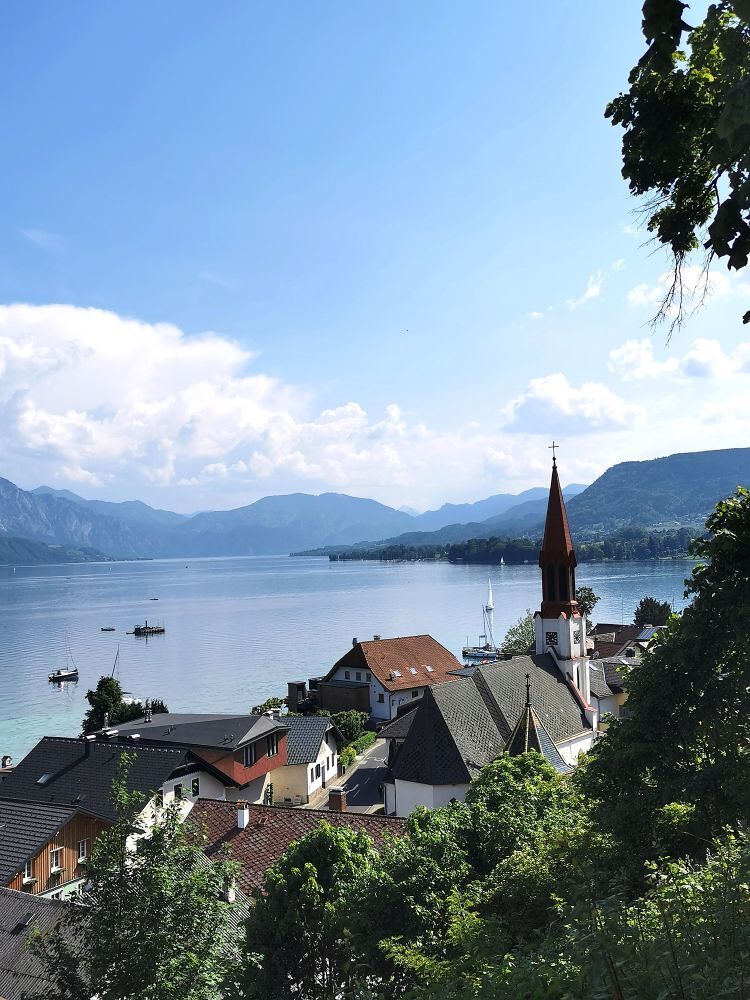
(410, 794)
(294, 779)
(403, 698)
(570, 749)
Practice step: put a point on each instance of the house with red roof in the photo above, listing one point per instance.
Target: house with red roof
(380, 675)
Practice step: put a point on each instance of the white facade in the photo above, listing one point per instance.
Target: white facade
(295, 783)
(565, 636)
(403, 797)
(384, 704)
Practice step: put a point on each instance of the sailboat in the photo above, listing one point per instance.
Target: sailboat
(67, 673)
(486, 649)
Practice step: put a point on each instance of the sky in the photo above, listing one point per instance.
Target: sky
(378, 248)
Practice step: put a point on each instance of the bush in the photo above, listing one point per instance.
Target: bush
(364, 741)
(348, 756)
(350, 724)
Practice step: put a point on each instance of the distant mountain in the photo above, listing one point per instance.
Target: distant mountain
(677, 490)
(24, 552)
(129, 511)
(471, 513)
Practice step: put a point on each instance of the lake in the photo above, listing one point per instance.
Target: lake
(238, 628)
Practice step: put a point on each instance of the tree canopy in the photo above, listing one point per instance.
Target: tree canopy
(520, 637)
(686, 142)
(651, 611)
(107, 700)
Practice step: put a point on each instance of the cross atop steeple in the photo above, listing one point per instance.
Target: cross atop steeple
(528, 690)
(553, 446)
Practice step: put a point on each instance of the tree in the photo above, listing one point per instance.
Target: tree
(297, 941)
(107, 699)
(270, 704)
(151, 923)
(520, 637)
(652, 612)
(673, 774)
(351, 724)
(686, 119)
(586, 600)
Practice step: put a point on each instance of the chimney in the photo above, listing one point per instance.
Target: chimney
(147, 711)
(106, 721)
(337, 800)
(243, 815)
(375, 638)
(229, 893)
(88, 741)
(354, 641)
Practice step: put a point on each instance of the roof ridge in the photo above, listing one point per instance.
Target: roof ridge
(295, 812)
(55, 903)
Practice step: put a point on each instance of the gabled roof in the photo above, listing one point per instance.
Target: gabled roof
(25, 827)
(270, 831)
(598, 680)
(402, 662)
(22, 974)
(305, 733)
(215, 732)
(530, 734)
(397, 728)
(459, 728)
(81, 773)
(451, 738)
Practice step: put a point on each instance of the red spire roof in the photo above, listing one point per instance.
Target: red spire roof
(557, 558)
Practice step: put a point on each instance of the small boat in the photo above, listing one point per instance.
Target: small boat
(68, 674)
(149, 629)
(108, 628)
(486, 650)
(153, 598)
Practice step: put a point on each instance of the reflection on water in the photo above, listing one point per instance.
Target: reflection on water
(237, 629)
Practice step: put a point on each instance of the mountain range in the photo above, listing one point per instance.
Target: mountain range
(665, 492)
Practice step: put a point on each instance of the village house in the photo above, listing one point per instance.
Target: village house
(379, 676)
(257, 836)
(23, 974)
(542, 700)
(259, 758)
(58, 799)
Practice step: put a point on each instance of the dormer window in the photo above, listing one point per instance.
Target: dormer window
(250, 755)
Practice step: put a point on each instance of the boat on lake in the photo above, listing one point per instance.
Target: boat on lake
(485, 650)
(147, 629)
(108, 628)
(64, 674)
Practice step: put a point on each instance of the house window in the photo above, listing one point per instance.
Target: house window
(317, 770)
(28, 871)
(82, 850)
(178, 791)
(312, 775)
(55, 860)
(272, 744)
(368, 677)
(359, 675)
(56, 895)
(415, 694)
(381, 699)
(195, 787)
(347, 675)
(250, 755)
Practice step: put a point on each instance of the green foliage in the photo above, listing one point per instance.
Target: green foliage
(297, 938)
(586, 600)
(350, 724)
(364, 741)
(650, 611)
(107, 699)
(686, 121)
(520, 637)
(686, 741)
(347, 756)
(151, 922)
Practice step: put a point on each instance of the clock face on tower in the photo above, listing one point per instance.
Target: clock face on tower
(551, 638)
(577, 636)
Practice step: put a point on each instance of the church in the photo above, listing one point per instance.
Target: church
(539, 701)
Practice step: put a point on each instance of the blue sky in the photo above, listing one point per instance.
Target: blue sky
(378, 248)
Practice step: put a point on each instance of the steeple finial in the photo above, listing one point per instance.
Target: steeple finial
(528, 690)
(553, 446)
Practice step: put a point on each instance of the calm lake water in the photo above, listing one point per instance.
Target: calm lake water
(238, 629)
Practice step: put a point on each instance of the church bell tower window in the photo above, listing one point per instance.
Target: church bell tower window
(550, 582)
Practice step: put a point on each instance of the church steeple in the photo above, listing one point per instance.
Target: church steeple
(557, 559)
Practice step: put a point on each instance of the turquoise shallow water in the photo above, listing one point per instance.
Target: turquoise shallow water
(238, 629)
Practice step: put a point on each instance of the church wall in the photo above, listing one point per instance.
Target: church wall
(570, 749)
(410, 794)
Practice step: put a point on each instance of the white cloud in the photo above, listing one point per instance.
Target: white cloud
(43, 239)
(635, 360)
(535, 315)
(696, 287)
(593, 289)
(705, 359)
(551, 401)
(618, 265)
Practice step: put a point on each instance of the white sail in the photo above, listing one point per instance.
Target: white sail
(489, 606)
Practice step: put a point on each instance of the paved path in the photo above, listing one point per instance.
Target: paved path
(363, 787)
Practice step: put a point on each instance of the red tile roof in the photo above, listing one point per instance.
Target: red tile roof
(271, 830)
(410, 655)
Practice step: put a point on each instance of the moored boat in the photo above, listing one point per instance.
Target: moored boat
(147, 629)
(486, 649)
(108, 628)
(68, 674)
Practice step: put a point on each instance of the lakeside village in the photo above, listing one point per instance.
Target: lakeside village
(256, 783)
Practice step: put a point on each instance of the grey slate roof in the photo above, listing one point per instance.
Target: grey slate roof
(598, 680)
(305, 734)
(217, 732)
(21, 972)
(25, 827)
(398, 728)
(458, 728)
(530, 734)
(81, 774)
